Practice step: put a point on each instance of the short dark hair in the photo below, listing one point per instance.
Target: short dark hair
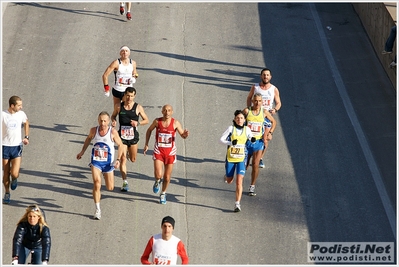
(13, 100)
(238, 111)
(130, 90)
(266, 69)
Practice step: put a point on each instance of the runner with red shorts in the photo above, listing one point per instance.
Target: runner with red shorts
(164, 154)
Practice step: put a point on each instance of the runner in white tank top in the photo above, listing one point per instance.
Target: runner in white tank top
(125, 72)
(267, 96)
(271, 102)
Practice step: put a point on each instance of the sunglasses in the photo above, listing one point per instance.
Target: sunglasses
(33, 208)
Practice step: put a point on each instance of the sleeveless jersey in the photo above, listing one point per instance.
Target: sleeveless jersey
(103, 149)
(165, 139)
(123, 76)
(236, 153)
(255, 123)
(267, 96)
(126, 130)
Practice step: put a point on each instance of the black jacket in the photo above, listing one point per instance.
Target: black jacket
(29, 236)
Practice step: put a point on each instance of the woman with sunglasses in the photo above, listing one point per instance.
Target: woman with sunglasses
(32, 236)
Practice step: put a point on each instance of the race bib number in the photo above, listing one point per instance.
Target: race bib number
(124, 81)
(237, 151)
(266, 102)
(100, 153)
(256, 127)
(127, 132)
(160, 260)
(165, 140)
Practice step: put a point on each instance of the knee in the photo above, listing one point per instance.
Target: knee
(255, 164)
(14, 174)
(110, 187)
(96, 186)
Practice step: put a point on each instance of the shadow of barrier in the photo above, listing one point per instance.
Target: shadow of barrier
(378, 19)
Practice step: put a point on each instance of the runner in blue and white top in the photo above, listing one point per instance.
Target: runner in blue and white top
(102, 160)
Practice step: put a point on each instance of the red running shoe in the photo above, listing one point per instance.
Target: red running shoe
(122, 10)
(128, 16)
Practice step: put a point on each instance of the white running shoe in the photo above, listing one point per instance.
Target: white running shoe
(97, 215)
(251, 191)
(237, 208)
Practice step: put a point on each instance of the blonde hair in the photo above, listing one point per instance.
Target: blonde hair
(36, 210)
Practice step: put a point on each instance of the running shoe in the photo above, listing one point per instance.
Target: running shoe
(251, 191)
(128, 16)
(156, 186)
(237, 208)
(7, 198)
(14, 184)
(97, 215)
(125, 186)
(261, 164)
(122, 10)
(162, 198)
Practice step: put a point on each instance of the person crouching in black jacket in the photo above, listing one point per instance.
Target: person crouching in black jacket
(31, 236)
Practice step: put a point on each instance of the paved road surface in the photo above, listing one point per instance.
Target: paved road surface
(335, 139)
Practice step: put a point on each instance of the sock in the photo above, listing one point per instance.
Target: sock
(98, 206)
(237, 202)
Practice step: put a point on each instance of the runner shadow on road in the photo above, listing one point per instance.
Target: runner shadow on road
(83, 11)
(58, 128)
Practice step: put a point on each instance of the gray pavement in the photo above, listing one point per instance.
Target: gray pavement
(318, 185)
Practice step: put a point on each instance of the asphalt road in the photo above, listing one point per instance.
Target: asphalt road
(330, 171)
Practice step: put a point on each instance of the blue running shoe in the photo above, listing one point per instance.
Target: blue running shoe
(162, 198)
(261, 164)
(14, 184)
(156, 186)
(7, 198)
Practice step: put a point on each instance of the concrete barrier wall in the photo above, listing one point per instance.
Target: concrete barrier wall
(378, 22)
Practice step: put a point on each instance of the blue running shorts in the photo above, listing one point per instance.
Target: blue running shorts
(103, 168)
(12, 152)
(267, 123)
(231, 167)
(253, 147)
